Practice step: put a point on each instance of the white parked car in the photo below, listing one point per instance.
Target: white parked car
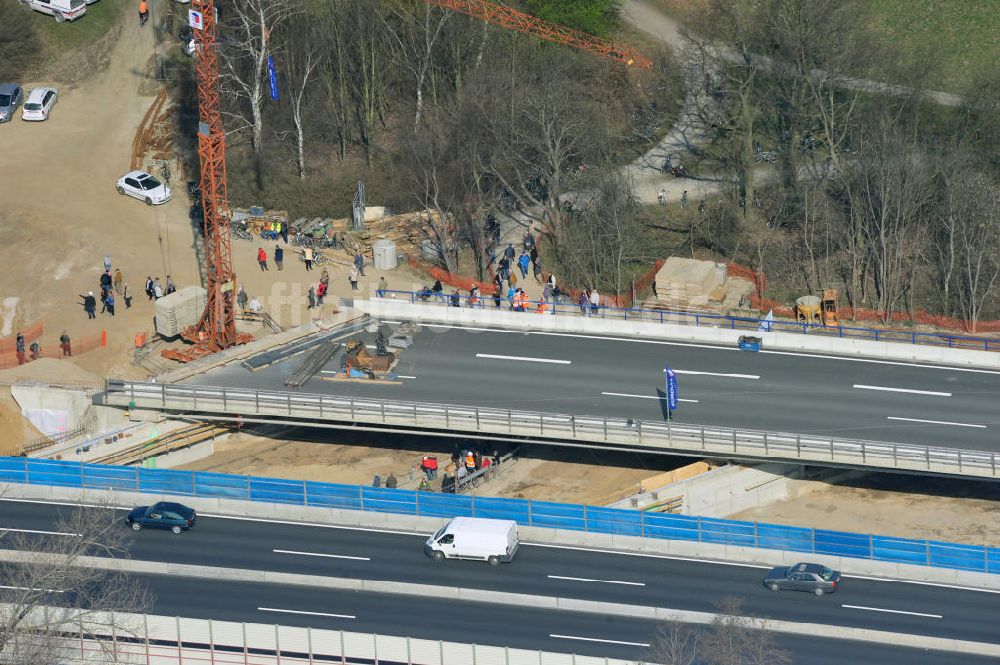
(62, 10)
(141, 185)
(39, 104)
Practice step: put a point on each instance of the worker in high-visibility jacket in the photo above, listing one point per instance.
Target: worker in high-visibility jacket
(143, 12)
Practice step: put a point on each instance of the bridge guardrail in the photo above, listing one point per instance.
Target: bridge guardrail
(527, 512)
(624, 433)
(486, 301)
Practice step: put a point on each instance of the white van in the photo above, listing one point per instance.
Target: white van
(62, 10)
(494, 541)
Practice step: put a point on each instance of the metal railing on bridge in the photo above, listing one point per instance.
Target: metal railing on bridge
(563, 306)
(527, 512)
(622, 433)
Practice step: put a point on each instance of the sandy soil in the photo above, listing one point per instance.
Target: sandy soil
(960, 511)
(538, 474)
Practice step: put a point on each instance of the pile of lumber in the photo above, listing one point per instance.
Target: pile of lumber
(689, 284)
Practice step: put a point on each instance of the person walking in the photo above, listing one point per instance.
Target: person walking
(126, 297)
(171, 287)
(324, 276)
(307, 255)
(512, 279)
(118, 281)
(522, 264)
(391, 482)
(456, 299)
(661, 197)
(104, 299)
(36, 350)
(584, 302)
(109, 304)
(242, 299)
(509, 253)
(533, 255)
(537, 269)
(529, 240)
(684, 199)
(320, 293)
(157, 289)
(106, 280)
(107, 263)
(497, 297)
(262, 259)
(149, 288)
(595, 302)
(90, 305)
(64, 344)
(312, 297)
(279, 257)
(547, 292)
(352, 277)
(143, 12)
(19, 349)
(383, 286)
(359, 263)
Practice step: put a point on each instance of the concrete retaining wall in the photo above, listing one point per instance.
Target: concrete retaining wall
(724, 337)
(52, 409)
(550, 537)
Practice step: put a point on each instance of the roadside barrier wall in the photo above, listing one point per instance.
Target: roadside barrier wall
(544, 514)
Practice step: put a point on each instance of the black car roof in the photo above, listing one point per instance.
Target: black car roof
(172, 506)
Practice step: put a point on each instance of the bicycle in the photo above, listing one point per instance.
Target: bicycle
(240, 232)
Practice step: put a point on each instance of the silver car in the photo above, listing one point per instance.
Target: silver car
(10, 99)
(811, 577)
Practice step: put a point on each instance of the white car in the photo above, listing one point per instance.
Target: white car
(141, 185)
(39, 104)
(62, 10)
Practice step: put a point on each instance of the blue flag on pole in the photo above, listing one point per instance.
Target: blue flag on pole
(273, 76)
(671, 389)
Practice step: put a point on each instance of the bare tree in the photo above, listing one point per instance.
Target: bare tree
(674, 643)
(735, 639)
(302, 59)
(248, 27)
(48, 574)
(978, 240)
(414, 43)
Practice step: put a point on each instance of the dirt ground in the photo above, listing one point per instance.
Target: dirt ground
(566, 475)
(962, 511)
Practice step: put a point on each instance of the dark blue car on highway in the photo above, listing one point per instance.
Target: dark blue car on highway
(163, 515)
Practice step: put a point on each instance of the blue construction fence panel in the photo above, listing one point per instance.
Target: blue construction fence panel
(55, 472)
(558, 515)
(728, 532)
(960, 557)
(497, 508)
(432, 504)
(788, 538)
(900, 550)
(333, 495)
(167, 481)
(222, 485)
(841, 543)
(278, 490)
(614, 520)
(103, 477)
(382, 500)
(671, 527)
(13, 470)
(993, 560)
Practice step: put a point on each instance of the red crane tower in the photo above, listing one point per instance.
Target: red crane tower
(217, 328)
(512, 19)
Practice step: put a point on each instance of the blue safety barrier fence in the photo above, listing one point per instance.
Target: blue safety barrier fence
(976, 558)
(562, 306)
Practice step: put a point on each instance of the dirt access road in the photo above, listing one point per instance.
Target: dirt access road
(62, 215)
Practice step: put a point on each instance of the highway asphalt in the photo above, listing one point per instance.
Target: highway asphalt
(720, 386)
(911, 608)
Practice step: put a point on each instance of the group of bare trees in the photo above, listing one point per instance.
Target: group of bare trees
(839, 179)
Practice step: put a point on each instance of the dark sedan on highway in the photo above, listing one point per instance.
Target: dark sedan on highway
(163, 515)
(811, 577)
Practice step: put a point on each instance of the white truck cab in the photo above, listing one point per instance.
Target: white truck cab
(493, 541)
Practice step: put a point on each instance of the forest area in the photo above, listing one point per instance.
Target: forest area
(835, 167)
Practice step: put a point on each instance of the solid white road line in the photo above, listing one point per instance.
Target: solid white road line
(24, 588)
(679, 399)
(4, 530)
(523, 359)
(728, 376)
(328, 556)
(861, 386)
(587, 579)
(312, 614)
(594, 639)
(880, 609)
(936, 422)
(643, 555)
(405, 376)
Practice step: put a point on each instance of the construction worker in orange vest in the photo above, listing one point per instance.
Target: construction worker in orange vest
(143, 12)
(541, 307)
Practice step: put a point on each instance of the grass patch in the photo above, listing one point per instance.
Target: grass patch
(83, 32)
(961, 35)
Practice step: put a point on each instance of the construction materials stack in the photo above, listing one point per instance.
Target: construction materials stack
(180, 310)
(697, 286)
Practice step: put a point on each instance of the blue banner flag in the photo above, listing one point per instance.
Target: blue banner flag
(273, 76)
(671, 389)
